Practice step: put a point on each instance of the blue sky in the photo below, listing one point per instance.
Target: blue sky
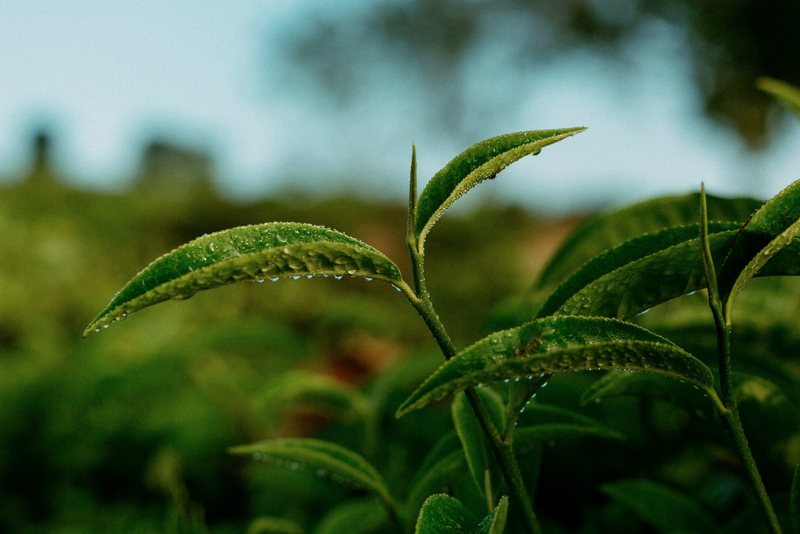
(107, 76)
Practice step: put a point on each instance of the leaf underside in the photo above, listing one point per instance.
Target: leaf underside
(786, 92)
(557, 345)
(248, 253)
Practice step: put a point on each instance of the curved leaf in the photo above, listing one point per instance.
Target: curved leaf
(328, 459)
(620, 256)
(355, 517)
(442, 514)
(665, 509)
(495, 523)
(248, 253)
(608, 230)
(476, 164)
(786, 92)
(557, 345)
(528, 438)
(649, 281)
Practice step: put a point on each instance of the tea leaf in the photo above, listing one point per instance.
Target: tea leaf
(472, 438)
(476, 164)
(620, 383)
(527, 438)
(274, 525)
(620, 256)
(557, 345)
(355, 517)
(665, 509)
(248, 253)
(649, 281)
(442, 514)
(519, 394)
(495, 523)
(786, 92)
(608, 230)
(327, 459)
(775, 217)
(442, 473)
(759, 260)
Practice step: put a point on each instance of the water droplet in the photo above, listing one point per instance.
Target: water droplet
(285, 250)
(351, 271)
(309, 276)
(396, 288)
(260, 280)
(368, 279)
(544, 384)
(280, 238)
(338, 276)
(274, 279)
(105, 326)
(597, 401)
(536, 151)
(507, 380)
(295, 278)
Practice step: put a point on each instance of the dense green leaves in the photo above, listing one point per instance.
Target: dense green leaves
(667, 510)
(476, 164)
(557, 345)
(248, 253)
(327, 459)
(609, 230)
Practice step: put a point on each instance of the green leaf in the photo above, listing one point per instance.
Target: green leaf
(520, 392)
(794, 502)
(448, 469)
(758, 261)
(621, 383)
(618, 257)
(327, 459)
(274, 525)
(556, 345)
(472, 437)
(248, 253)
(542, 423)
(442, 514)
(667, 510)
(649, 281)
(786, 92)
(355, 517)
(476, 164)
(771, 220)
(608, 230)
(495, 523)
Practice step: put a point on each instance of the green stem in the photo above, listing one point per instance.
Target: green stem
(727, 407)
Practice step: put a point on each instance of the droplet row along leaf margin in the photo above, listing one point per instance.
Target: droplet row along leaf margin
(556, 345)
(248, 253)
(480, 162)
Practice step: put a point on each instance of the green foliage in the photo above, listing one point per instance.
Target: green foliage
(653, 452)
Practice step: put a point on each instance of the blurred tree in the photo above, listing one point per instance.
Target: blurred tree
(438, 43)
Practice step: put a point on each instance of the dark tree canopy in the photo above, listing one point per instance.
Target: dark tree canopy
(434, 42)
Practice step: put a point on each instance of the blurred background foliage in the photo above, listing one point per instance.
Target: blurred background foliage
(438, 51)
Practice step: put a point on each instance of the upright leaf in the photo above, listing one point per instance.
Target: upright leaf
(476, 164)
(248, 253)
(495, 523)
(327, 459)
(665, 509)
(441, 473)
(608, 230)
(557, 345)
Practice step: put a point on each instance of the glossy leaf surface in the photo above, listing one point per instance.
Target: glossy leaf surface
(611, 229)
(618, 257)
(649, 281)
(664, 508)
(248, 253)
(327, 459)
(478, 163)
(557, 345)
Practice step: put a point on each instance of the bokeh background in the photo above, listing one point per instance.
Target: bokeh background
(127, 129)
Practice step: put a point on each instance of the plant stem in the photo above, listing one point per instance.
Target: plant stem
(726, 407)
